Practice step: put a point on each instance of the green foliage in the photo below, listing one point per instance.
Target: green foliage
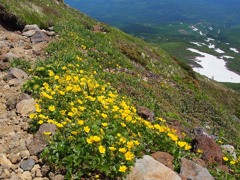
(21, 64)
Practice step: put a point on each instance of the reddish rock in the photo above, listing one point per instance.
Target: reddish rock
(212, 152)
(145, 113)
(164, 158)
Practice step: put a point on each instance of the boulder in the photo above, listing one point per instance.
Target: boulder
(39, 141)
(145, 113)
(149, 169)
(212, 152)
(191, 170)
(26, 106)
(165, 158)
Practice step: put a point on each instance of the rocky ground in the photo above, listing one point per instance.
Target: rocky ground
(19, 150)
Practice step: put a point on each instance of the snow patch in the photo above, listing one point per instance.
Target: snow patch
(214, 68)
(234, 50)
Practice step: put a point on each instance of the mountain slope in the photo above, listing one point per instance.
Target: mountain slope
(143, 72)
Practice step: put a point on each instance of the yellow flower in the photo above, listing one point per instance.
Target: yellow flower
(199, 151)
(86, 129)
(71, 114)
(122, 150)
(96, 138)
(232, 162)
(74, 132)
(104, 124)
(123, 124)
(181, 144)
(32, 116)
(101, 149)
(59, 125)
(130, 144)
(187, 147)
(80, 122)
(129, 156)
(122, 169)
(112, 148)
(56, 77)
(225, 158)
(40, 122)
(50, 73)
(172, 136)
(104, 115)
(51, 108)
(47, 133)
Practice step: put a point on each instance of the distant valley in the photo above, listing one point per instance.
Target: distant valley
(208, 26)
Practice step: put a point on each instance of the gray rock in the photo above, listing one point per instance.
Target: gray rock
(26, 106)
(29, 33)
(149, 169)
(27, 164)
(229, 149)
(47, 128)
(31, 27)
(40, 36)
(51, 33)
(191, 170)
(18, 73)
(12, 101)
(39, 141)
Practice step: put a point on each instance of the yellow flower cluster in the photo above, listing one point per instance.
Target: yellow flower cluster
(84, 107)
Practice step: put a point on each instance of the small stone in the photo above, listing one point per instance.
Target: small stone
(24, 154)
(8, 57)
(145, 113)
(165, 158)
(51, 33)
(12, 37)
(27, 46)
(191, 170)
(27, 164)
(229, 149)
(38, 173)
(25, 107)
(26, 175)
(45, 170)
(31, 27)
(5, 174)
(14, 158)
(58, 177)
(15, 82)
(5, 163)
(29, 33)
(18, 73)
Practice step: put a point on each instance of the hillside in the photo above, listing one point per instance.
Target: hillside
(103, 69)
